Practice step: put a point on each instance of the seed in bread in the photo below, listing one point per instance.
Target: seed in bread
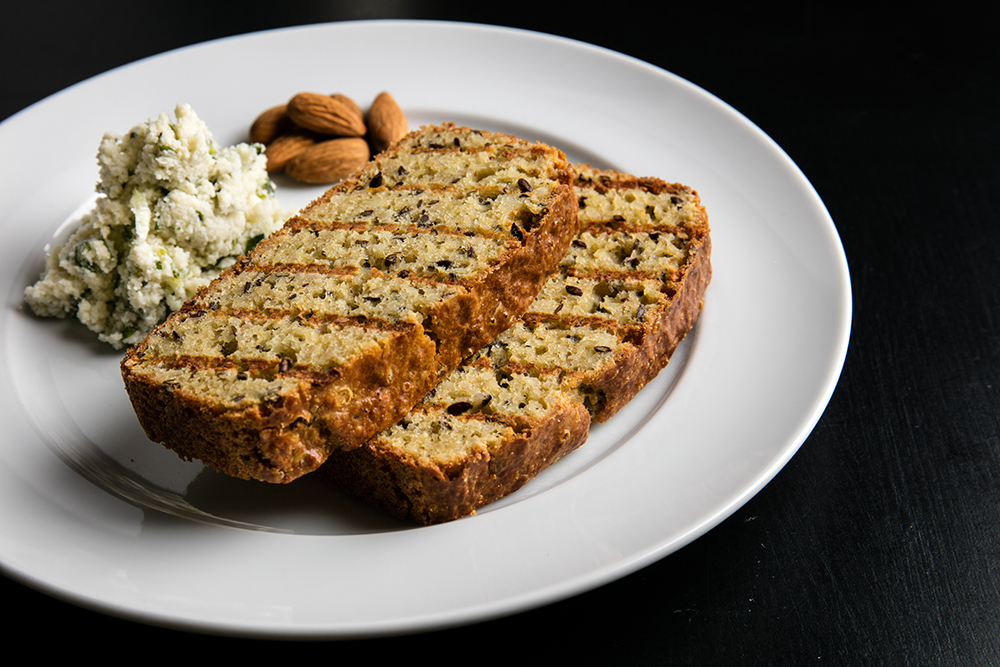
(337, 324)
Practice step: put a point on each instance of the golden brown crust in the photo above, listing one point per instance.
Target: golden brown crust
(427, 493)
(280, 440)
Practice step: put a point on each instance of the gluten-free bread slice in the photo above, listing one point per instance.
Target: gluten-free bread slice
(331, 329)
(628, 291)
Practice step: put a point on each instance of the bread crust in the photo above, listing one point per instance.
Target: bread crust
(281, 440)
(427, 493)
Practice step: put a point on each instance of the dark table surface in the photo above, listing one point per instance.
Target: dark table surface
(878, 543)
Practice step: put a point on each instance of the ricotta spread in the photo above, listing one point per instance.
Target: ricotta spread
(173, 210)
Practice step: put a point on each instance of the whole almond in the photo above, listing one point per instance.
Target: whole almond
(284, 148)
(271, 124)
(326, 115)
(329, 161)
(386, 122)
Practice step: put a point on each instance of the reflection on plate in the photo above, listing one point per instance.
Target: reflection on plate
(91, 511)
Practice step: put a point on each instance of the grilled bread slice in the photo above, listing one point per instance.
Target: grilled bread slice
(331, 329)
(628, 291)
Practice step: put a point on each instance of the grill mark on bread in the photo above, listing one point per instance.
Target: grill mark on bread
(250, 369)
(400, 229)
(450, 257)
(369, 299)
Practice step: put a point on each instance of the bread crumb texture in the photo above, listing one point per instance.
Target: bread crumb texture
(173, 210)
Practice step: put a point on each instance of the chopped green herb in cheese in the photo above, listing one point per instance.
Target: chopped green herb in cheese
(173, 210)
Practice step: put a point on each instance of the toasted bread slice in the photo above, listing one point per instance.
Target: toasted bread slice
(337, 324)
(628, 291)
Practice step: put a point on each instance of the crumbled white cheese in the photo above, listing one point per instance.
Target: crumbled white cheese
(173, 210)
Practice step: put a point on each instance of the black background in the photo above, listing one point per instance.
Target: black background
(878, 543)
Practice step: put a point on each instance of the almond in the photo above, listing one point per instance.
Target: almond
(386, 122)
(329, 161)
(271, 124)
(284, 148)
(326, 115)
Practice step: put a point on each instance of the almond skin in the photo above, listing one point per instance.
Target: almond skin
(329, 161)
(386, 122)
(271, 124)
(286, 147)
(326, 115)
(349, 102)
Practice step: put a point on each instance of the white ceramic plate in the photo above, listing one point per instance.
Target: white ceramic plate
(94, 513)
